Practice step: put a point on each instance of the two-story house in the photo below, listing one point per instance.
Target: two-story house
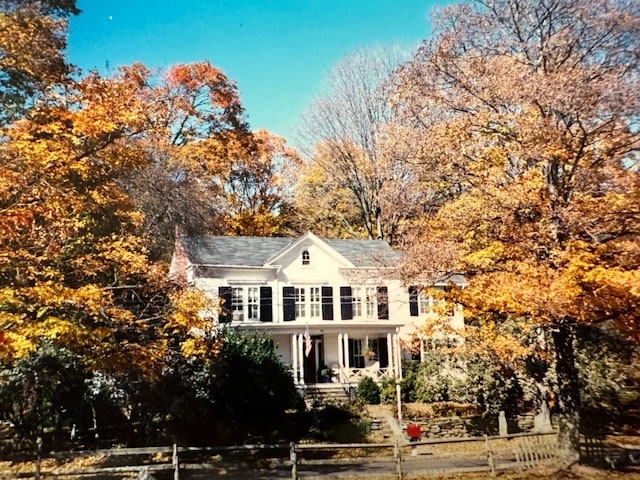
(329, 303)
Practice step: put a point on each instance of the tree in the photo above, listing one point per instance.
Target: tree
(258, 187)
(363, 150)
(207, 171)
(196, 119)
(73, 268)
(530, 112)
(32, 43)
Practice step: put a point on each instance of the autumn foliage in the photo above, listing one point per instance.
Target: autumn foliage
(530, 114)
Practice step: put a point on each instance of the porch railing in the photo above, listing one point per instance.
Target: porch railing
(354, 375)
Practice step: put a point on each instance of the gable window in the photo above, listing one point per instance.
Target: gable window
(306, 258)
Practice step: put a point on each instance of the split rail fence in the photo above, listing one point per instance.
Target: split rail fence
(395, 460)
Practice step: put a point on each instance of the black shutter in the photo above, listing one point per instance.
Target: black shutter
(413, 301)
(346, 303)
(266, 304)
(383, 352)
(383, 303)
(224, 293)
(355, 362)
(288, 304)
(327, 303)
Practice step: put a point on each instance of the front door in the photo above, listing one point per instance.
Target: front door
(314, 361)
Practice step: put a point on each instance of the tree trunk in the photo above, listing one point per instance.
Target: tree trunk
(568, 393)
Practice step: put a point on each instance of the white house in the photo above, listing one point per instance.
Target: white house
(347, 293)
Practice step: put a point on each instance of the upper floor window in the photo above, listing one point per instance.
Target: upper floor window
(357, 301)
(253, 306)
(371, 302)
(306, 258)
(245, 303)
(423, 301)
(314, 302)
(300, 302)
(237, 297)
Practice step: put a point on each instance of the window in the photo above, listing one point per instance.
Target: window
(357, 301)
(371, 302)
(423, 301)
(246, 303)
(428, 300)
(314, 302)
(376, 351)
(306, 258)
(300, 302)
(253, 307)
(236, 299)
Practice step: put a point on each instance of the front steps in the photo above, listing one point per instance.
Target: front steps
(318, 393)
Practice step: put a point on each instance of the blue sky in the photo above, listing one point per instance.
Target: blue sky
(277, 51)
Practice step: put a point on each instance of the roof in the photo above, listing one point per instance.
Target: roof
(256, 251)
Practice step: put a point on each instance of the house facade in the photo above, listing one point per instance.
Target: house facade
(330, 305)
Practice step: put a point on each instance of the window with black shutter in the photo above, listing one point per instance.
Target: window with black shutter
(346, 303)
(224, 293)
(383, 303)
(327, 303)
(266, 304)
(356, 359)
(288, 304)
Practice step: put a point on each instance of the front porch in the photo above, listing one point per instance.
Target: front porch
(344, 358)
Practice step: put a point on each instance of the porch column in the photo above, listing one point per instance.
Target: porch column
(340, 358)
(301, 359)
(345, 340)
(294, 356)
(391, 355)
(396, 344)
(421, 349)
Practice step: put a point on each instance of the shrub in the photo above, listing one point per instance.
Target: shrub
(338, 422)
(388, 390)
(368, 391)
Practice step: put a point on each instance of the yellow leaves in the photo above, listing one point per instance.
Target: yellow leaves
(507, 345)
(205, 348)
(486, 258)
(190, 310)
(193, 316)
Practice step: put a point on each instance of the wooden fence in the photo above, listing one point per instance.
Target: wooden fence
(396, 460)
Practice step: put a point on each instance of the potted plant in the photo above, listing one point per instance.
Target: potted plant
(368, 354)
(325, 374)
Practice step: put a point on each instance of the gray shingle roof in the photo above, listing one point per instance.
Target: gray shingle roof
(255, 251)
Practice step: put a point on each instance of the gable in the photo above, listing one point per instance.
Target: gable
(317, 251)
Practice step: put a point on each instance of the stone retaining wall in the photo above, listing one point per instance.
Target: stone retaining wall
(457, 427)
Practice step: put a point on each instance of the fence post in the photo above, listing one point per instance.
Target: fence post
(294, 462)
(398, 457)
(38, 456)
(176, 463)
(492, 466)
